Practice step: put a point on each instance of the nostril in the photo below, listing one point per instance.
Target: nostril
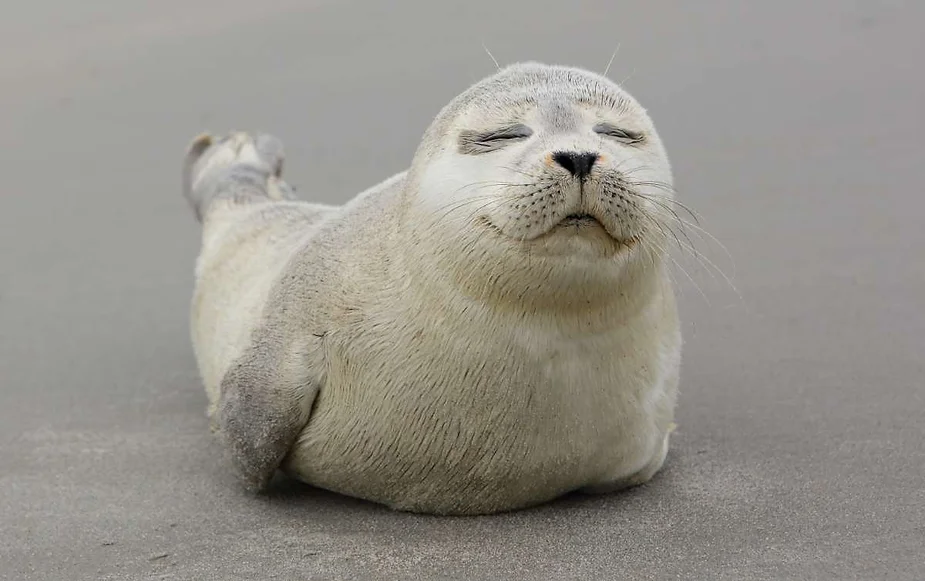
(577, 164)
(566, 160)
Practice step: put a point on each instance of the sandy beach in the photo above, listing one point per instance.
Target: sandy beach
(795, 131)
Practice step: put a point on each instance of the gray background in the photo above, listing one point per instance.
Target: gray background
(795, 128)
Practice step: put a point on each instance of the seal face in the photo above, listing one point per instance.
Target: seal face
(491, 329)
(555, 150)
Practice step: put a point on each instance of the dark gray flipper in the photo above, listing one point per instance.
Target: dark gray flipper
(263, 407)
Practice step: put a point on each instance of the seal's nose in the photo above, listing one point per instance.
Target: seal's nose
(577, 164)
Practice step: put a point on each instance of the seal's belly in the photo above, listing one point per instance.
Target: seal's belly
(491, 444)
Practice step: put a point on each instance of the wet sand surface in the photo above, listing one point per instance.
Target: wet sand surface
(795, 130)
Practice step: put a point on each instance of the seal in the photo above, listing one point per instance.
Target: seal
(484, 332)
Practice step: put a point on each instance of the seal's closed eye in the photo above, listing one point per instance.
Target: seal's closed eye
(475, 142)
(622, 135)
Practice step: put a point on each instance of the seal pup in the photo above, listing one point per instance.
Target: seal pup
(486, 331)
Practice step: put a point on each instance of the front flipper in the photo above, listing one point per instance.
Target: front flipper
(265, 402)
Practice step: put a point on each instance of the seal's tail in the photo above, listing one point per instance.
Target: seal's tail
(240, 168)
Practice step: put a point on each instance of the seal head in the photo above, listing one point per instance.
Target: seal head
(556, 166)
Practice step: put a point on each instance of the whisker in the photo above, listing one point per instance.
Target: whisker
(521, 172)
(662, 251)
(667, 209)
(610, 62)
(667, 188)
(492, 57)
(700, 231)
(459, 205)
(671, 225)
(495, 184)
(703, 261)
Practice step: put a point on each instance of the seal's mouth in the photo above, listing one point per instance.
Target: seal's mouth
(580, 224)
(580, 220)
(585, 224)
